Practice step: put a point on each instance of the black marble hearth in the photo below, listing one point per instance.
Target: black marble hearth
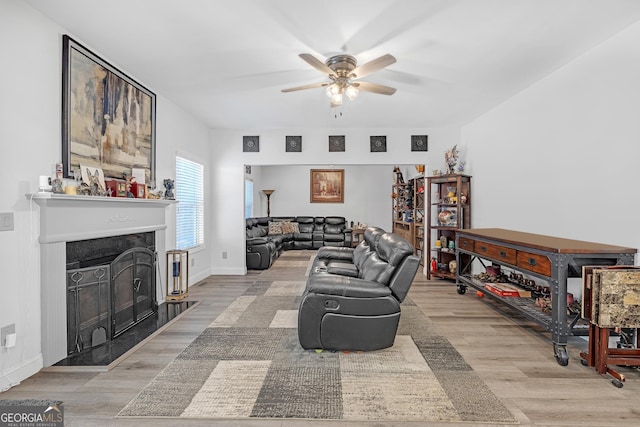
(107, 353)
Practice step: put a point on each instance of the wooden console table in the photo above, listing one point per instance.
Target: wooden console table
(552, 259)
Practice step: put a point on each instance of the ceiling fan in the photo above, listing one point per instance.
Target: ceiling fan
(344, 74)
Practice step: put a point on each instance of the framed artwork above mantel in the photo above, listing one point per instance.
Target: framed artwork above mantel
(108, 119)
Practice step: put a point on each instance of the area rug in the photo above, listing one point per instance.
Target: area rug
(248, 364)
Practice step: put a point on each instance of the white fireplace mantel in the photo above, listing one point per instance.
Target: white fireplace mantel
(68, 218)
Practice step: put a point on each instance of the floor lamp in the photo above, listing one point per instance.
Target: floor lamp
(268, 193)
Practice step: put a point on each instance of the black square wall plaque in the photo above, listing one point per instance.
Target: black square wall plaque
(293, 144)
(419, 142)
(336, 143)
(378, 144)
(251, 144)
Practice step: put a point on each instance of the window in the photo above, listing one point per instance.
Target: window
(248, 198)
(190, 209)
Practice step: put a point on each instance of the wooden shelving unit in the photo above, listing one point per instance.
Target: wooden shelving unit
(409, 211)
(448, 205)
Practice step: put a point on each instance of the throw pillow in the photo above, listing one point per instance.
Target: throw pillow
(286, 227)
(289, 227)
(275, 227)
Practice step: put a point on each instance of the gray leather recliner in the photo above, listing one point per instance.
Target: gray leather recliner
(352, 298)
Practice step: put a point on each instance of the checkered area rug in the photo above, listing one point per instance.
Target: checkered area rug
(249, 364)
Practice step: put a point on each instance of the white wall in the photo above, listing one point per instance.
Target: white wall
(228, 161)
(30, 129)
(561, 158)
(360, 203)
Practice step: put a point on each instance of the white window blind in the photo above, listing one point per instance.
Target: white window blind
(248, 198)
(190, 209)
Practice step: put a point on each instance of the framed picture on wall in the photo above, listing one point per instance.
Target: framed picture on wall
(419, 142)
(108, 119)
(327, 186)
(336, 143)
(378, 144)
(251, 144)
(293, 143)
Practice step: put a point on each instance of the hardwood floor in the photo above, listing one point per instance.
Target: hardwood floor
(511, 355)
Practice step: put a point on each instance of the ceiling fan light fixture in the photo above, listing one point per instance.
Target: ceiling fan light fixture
(333, 89)
(344, 73)
(352, 92)
(336, 100)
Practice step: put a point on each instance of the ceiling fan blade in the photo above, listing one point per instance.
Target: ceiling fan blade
(373, 66)
(309, 86)
(317, 64)
(375, 88)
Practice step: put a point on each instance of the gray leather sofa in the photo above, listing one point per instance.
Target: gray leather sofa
(352, 297)
(264, 247)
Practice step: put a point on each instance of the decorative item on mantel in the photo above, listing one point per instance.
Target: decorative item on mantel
(128, 182)
(451, 159)
(168, 185)
(153, 192)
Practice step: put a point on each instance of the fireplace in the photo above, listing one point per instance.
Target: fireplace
(68, 219)
(111, 287)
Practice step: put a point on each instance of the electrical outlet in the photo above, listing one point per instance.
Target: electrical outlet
(224, 254)
(6, 330)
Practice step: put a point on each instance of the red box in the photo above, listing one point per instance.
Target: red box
(501, 290)
(139, 190)
(117, 187)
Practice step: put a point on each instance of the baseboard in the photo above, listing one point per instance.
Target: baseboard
(14, 376)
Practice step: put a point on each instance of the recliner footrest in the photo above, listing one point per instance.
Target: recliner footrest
(358, 333)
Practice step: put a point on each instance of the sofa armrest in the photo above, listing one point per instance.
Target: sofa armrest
(255, 241)
(347, 237)
(335, 253)
(332, 284)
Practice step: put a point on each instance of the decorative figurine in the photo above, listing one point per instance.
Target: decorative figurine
(451, 158)
(56, 186)
(168, 185)
(129, 180)
(452, 266)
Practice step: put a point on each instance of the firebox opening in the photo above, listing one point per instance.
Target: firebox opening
(111, 287)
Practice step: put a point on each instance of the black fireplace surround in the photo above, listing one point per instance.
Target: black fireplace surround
(110, 287)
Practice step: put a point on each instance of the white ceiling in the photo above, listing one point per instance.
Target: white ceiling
(226, 62)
